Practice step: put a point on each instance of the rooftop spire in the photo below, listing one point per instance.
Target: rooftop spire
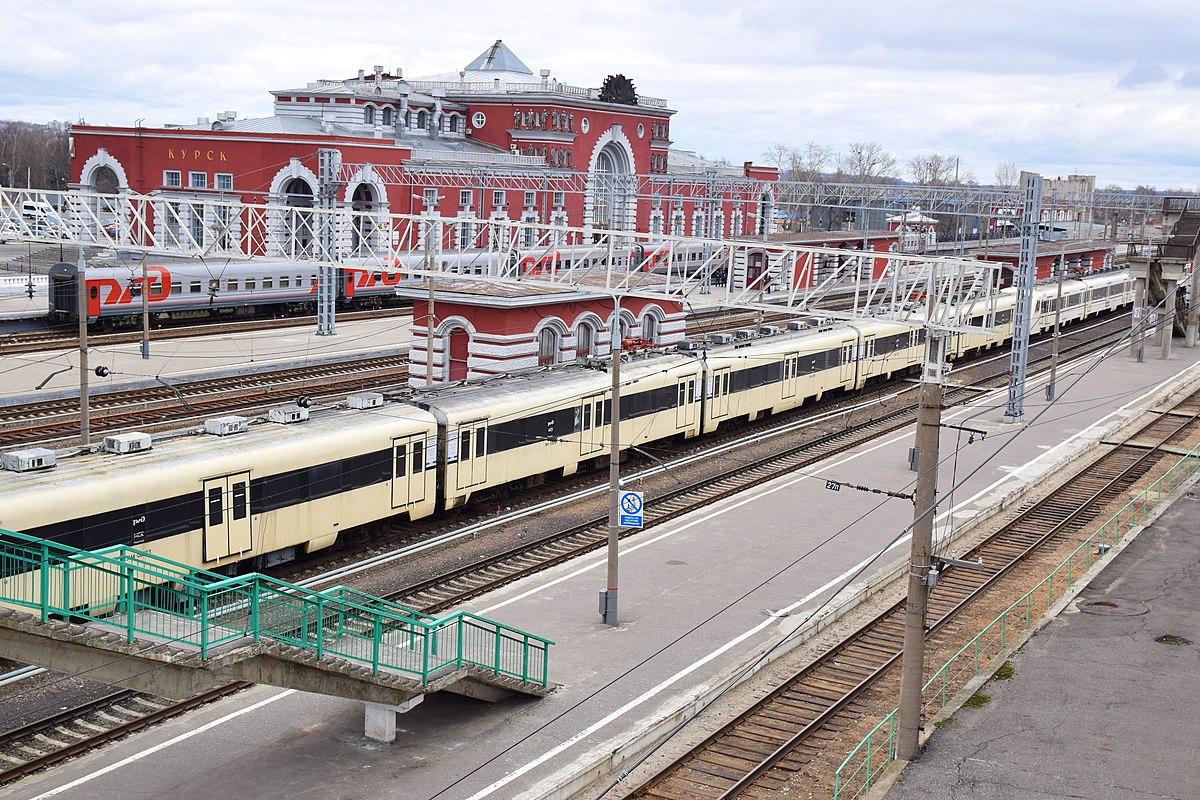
(498, 58)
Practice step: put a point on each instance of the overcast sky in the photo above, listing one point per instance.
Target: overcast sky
(1101, 87)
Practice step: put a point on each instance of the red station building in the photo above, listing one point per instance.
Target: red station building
(490, 141)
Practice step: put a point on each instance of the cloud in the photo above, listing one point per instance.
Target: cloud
(1190, 79)
(1143, 75)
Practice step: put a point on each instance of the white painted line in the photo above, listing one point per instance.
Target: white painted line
(181, 737)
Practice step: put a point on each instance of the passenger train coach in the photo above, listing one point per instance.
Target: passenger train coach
(181, 290)
(265, 491)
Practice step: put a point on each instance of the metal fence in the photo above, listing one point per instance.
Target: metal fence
(152, 598)
(877, 750)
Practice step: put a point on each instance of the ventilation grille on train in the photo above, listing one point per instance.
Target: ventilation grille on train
(28, 460)
(365, 400)
(224, 426)
(125, 443)
(287, 415)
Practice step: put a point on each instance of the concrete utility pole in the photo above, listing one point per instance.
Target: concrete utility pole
(1062, 267)
(929, 421)
(145, 311)
(1025, 278)
(608, 603)
(329, 163)
(82, 306)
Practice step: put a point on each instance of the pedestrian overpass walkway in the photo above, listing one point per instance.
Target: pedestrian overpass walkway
(130, 618)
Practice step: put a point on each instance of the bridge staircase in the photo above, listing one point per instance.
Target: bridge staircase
(1168, 264)
(133, 619)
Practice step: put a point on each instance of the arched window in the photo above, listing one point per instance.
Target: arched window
(369, 115)
(421, 119)
(547, 347)
(387, 118)
(585, 340)
(408, 119)
(454, 123)
(650, 328)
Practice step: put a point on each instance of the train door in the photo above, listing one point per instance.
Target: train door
(791, 374)
(591, 424)
(472, 452)
(848, 360)
(408, 470)
(719, 392)
(226, 515)
(685, 409)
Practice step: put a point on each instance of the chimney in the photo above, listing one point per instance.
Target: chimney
(362, 73)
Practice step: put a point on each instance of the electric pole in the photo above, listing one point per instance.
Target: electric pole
(608, 602)
(329, 162)
(82, 307)
(1025, 278)
(1062, 264)
(929, 421)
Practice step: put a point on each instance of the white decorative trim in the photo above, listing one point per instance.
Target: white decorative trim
(615, 136)
(103, 158)
(294, 169)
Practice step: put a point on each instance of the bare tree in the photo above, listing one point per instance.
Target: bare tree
(865, 162)
(1007, 174)
(36, 155)
(934, 170)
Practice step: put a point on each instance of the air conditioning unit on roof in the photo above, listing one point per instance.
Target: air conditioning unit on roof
(768, 330)
(28, 460)
(690, 345)
(224, 426)
(365, 400)
(743, 334)
(721, 338)
(126, 443)
(797, 325)
(286, 415)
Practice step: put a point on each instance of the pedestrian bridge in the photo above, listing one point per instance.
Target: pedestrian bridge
(134, 619)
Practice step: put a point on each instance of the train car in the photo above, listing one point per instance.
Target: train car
(193, 290)
(752, 378)
(263, 495)
(522, 428)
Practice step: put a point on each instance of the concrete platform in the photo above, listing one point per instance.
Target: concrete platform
(57, 372)
(1102, 703)
(699, 598)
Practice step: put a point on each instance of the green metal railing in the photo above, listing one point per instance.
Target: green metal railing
(150, 597)
(878, 748)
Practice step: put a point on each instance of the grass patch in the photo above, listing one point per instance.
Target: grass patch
(1168, 638)
(977, 700)
(943, 723)
(1005, 672)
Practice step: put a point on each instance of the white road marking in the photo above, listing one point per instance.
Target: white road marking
(181, 737)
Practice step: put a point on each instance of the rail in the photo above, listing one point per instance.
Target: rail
(148, 596)
(877, 750)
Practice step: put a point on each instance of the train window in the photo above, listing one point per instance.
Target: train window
(176, 287)
(194, 288)
(691, 391)
(284, 281)
(418, 456)
(464, 445)
(726, 382)
(251, 283)
(239, 500)
(231, 285)
(401, 463)
(480, 442)
(215, 515)
(587, 416)
(268, 283)
(312, 281)
(682, 394)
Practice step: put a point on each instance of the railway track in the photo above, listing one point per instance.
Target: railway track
(169, 406)
(70, 732)
(66, 337)
(755, 754)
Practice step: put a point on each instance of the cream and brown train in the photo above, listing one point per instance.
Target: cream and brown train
(250, 493)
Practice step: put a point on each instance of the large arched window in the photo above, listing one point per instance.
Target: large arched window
(369, 115)
(422, 119)
(408, 119)
(387, 118)
(547, 347)
(454, 123)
